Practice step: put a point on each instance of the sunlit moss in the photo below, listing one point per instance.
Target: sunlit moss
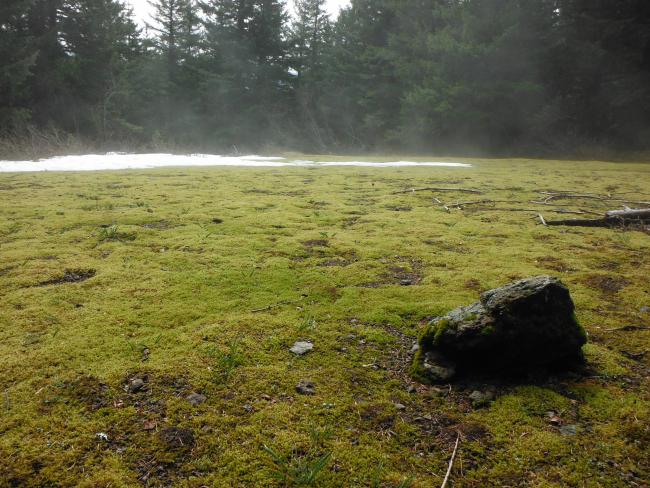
(213, 308)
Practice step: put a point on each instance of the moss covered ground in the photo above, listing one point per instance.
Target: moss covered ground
(200, 280)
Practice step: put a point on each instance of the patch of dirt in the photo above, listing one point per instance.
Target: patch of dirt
(608, 265)
(316, 243)
(177, 438)
(336, 263)
(606, 284)
(159, 225)
(470, 431)
(345, 258)
(88, 391)
(6, 270)
(554, 263)
(71, 276)
(351, 222)
(400, 271)
(447, 246)
(377, 416)
(473, 284)
(396, 208)
(318, 205)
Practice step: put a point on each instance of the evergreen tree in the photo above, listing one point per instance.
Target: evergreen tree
(175, 24)
(246, 90)
(17, 55)
(99, 38)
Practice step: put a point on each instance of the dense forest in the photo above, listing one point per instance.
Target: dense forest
(445, 76)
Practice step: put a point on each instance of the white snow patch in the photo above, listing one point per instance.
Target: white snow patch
(117, 161)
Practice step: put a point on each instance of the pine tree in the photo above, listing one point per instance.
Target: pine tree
(310, 33)
(99, 38)
(176, 23)
(17, 56)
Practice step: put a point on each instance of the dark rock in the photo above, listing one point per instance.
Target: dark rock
(196, 399)
(306, 388)
(519, 327)
(177, 438)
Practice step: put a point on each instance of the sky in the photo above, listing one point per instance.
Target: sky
(142, 8)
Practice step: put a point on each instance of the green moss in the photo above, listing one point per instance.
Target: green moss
(214, 309)
(489, 330)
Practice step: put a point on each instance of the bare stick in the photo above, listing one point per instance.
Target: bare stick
(641, 213)
(478, 202)
(628, 328)
(451, 463)
(462, 190)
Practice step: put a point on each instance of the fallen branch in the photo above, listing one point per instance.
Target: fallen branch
(630, 213)
(478, 202)
(628, 328)
(462, 190)
(613, 218)
(585, 196)
(451, 463)
(635, 356)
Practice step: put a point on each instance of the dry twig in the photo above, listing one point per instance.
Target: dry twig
(451, 463)
(628, 328)
(462, 190)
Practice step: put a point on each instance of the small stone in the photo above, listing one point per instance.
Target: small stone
(301, 348)
(553, 418)
(406, 282)
(645, 310)
(102, 436)
(481, 398)
(306, 388)
(196, 399)
(249, 408)
(411, 389)
(569, 430)
(266, 397)
(415, 348)
(136, 385)
(400, 406)
(436, 371)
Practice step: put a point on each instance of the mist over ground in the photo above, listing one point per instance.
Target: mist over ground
(493, 77)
